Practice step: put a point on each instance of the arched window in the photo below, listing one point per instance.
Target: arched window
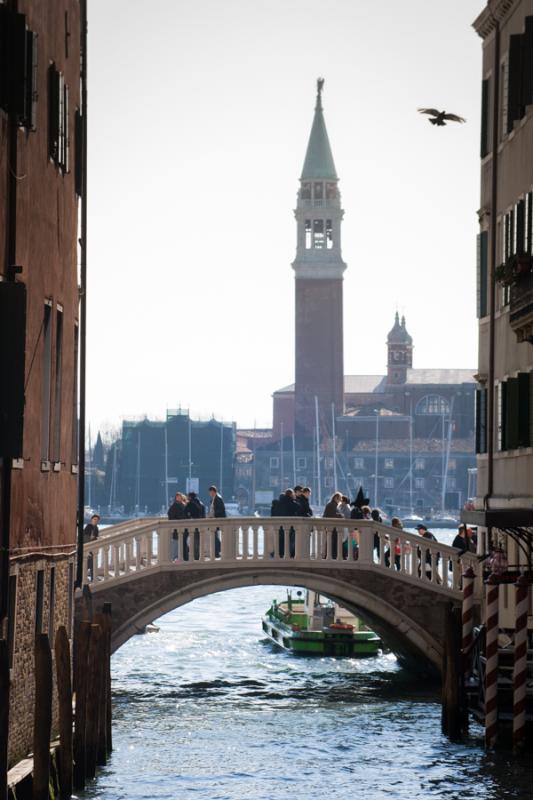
(433, 404)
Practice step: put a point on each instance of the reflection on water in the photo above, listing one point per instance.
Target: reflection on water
(207, 709)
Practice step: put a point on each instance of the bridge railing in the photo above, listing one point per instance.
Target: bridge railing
(154, 543)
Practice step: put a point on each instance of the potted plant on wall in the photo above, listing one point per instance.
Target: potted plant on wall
(514, 268)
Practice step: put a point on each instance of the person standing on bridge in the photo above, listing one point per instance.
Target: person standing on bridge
(90, 533)
(217, 510)
(176, 511)
(194, 509)
(302, 498)
(331, 511)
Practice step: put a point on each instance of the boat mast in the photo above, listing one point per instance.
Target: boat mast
(166, 465)
(293, 461)
(281, 458)
(334, 436)
(90, 471)
(318, 475)
(221, 456)
(447, 456)
(411, 509)
(138, 473)
(190, 447)
(112, 491)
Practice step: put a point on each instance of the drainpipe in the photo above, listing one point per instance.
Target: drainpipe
(83, 294)
(492, 282)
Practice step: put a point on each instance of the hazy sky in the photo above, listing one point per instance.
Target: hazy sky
(199, 115)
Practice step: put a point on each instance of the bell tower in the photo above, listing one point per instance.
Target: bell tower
(318, 271)
(399, 352)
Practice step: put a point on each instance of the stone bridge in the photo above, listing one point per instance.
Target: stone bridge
(148, 567)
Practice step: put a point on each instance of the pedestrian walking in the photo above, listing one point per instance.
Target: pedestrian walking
(217, 510)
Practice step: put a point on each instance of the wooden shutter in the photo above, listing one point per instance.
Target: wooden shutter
(529, 223)
(515, 109)
(527, 64)
(30, 111)
(481, 421)
(78, 153)
(520, 213)
(485, 101)
(54, 128)
(530, 375)
(523, 410)
(482, 288)
(16, 56)
(511, 414)
(12, 352)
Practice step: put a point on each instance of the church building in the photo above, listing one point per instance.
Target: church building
(407, 435)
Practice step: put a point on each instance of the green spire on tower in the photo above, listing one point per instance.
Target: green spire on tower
(319, 162)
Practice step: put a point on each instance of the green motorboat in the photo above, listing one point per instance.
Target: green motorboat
(311, 628)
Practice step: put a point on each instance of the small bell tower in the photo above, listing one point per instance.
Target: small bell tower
(399, 352)
(318, 271)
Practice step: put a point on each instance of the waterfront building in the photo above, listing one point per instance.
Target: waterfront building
(40, 178)
(152, 460)
(504, 429)
(407, 436)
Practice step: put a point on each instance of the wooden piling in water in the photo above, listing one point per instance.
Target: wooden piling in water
(4, 715)
(64, 695)
(94, 688)
(101, 753)
(452, 707)
(42, 725)
(109, 709)
(82, 650)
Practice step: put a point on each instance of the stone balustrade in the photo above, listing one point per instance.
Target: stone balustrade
(154, 544)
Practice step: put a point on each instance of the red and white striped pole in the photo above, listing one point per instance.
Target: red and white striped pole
(468, 614)
(491, 666)
(520, 661)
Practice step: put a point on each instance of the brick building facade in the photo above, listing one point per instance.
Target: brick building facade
(39, 119)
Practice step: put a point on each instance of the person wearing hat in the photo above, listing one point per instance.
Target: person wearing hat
(423, 531)
(358, 503)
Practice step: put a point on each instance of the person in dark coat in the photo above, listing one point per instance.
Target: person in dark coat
(423, 531)
(358, 504)
(217, 509)
(331, 511)
(460, 541)
(303, 502)
(287, 507)
(194, 509)
(177, 511)
(90, 533)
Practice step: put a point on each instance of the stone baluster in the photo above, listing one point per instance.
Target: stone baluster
(255, 542)
(163, 545)
(105, 554)
(116, 559)
(366, 543)
(127, 557)
(137, 553)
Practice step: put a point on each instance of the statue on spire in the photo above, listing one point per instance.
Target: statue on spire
(319, 85)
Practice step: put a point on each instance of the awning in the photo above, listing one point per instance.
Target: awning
(499, 517)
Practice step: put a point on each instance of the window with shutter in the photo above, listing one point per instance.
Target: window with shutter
(485, 100)
(515, 108)
(511, 414)
(481, 421)
(502, 415)
(530, 375)
(527, 64)
(528, 223)
(504, 71)
(482, 283)
(58, 136)
(524, 401)
(520, 217)
(18, 64)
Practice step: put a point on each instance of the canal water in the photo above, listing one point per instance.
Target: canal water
(206, 709)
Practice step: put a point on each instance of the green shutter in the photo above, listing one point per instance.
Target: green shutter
(482, 281)
(520, 215)
(511, 414)
(527, 64)
(523, 410)
(502, 416)
(485, 117)
(481, 421)
(515, 107)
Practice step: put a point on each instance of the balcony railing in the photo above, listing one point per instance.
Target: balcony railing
(521, 308)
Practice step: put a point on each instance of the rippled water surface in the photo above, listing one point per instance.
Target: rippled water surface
(207, 709)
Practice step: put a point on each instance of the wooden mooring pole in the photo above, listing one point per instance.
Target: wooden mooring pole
(64, 696)
(491, 654)
(94, 689)
(80, 682)
(109, 709)
(452, 698)
(100, 619)
(43, 717)
(4, 715)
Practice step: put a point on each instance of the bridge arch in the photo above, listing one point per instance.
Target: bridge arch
(411, 641)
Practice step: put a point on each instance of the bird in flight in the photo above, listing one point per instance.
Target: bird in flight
(440, 117)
